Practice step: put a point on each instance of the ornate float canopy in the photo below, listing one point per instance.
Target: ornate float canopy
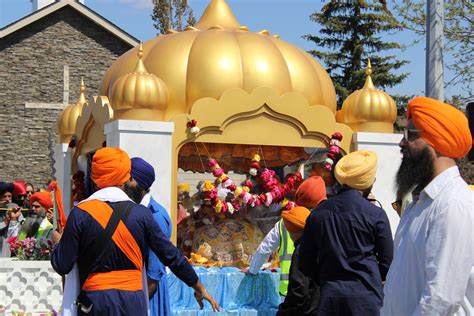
(368, 109)
(215, 55)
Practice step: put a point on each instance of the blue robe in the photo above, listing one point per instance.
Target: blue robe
(160, 302)
(82, 230)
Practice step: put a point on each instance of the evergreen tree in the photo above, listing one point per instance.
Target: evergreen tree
(350, 34)
(172, 14)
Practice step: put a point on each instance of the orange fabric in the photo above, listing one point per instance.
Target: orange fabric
(126, 280)
(442, 126)
(311, 192)
(43, 198)
(110, 167)
(124, 240)
(58, 197)
(295, 219)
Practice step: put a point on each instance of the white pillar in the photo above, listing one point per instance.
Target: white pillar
(151, 141)
(434, 82)
(62, 165)
(389, 159)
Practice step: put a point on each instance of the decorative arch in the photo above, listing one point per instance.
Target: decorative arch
(262, 117)
(90, 126)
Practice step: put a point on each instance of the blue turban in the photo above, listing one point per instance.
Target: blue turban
(6, 187)
(142, 172)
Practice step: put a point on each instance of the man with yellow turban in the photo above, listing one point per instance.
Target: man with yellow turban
(433, 268)
(103, 247)
(347, 243)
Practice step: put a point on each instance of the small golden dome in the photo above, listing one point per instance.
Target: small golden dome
(68, 118)
(368, 109)
(219, 54)
(139, 95)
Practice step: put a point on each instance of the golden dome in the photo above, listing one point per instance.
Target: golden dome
(68, 118)
(218, 54)
(140, 91)
(368, 109)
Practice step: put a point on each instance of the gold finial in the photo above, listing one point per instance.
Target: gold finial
(82, 97)
(140, 68)
(368, 85)
(140, 50)
(264, 32)
(218, 12)
(368, 71)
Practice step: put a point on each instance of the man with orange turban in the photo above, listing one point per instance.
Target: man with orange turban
(347, 244)
(310, 193)
(102, 248)
(433, 268)
(39, 222)
(303, 294)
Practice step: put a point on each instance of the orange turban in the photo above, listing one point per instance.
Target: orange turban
(295, 219)
(43, 198)
(110, 167)
(311, 192)
(357, 169)
(442, 126)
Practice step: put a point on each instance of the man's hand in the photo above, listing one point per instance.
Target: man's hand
(200, 294)
(14, 213)
(50, 215)
(56, 237)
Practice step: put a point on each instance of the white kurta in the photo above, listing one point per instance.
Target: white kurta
(268, 245)
(432, 270)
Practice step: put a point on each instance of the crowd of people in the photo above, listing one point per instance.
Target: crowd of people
(336, 252)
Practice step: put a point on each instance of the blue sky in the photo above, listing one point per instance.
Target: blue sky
(287, 18)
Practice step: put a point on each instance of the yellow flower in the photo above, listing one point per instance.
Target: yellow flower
(218, 207)
(208, 186)
(256, 158)
(237, 192)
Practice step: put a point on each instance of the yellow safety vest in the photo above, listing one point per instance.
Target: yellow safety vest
(285, 252)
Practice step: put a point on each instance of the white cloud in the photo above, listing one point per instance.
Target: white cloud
(138, 4)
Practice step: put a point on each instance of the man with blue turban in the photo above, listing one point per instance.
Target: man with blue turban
(143, 176)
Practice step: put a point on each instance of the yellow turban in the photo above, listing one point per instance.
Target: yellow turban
(295, 219)
(357, 169)
(183, 187)
(442, 126)
(110, 167)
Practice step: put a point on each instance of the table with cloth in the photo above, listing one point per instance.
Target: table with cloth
(236, 292)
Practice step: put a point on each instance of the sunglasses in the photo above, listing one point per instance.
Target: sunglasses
(29, 192)
(410, 134)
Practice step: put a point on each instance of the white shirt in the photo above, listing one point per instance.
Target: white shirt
(432, 269)
(268, 245)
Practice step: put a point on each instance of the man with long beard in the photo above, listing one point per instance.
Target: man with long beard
(39, 223)
(432, 270)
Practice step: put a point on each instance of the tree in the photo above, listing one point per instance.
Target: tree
(350, 34)
(458, 39)
(172, 14)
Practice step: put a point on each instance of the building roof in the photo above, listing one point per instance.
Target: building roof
(82, 9)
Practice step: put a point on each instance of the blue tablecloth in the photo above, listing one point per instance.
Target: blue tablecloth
(236, 292)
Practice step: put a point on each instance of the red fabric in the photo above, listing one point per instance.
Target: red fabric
(43, 198)
(19, 187)
(442, 126)
(311, 192)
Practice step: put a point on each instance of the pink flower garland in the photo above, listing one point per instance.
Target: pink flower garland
(275, 192)
(334, 151)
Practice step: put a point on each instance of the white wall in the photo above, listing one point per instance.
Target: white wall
(389, 159)
(151, 141)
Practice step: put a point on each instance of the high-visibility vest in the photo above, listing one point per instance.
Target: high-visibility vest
(44, 231)
(285, 252)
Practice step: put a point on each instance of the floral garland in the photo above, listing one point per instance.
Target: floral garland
(275, 192)
(334, 151)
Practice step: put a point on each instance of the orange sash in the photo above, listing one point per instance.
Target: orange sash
(128, 280)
